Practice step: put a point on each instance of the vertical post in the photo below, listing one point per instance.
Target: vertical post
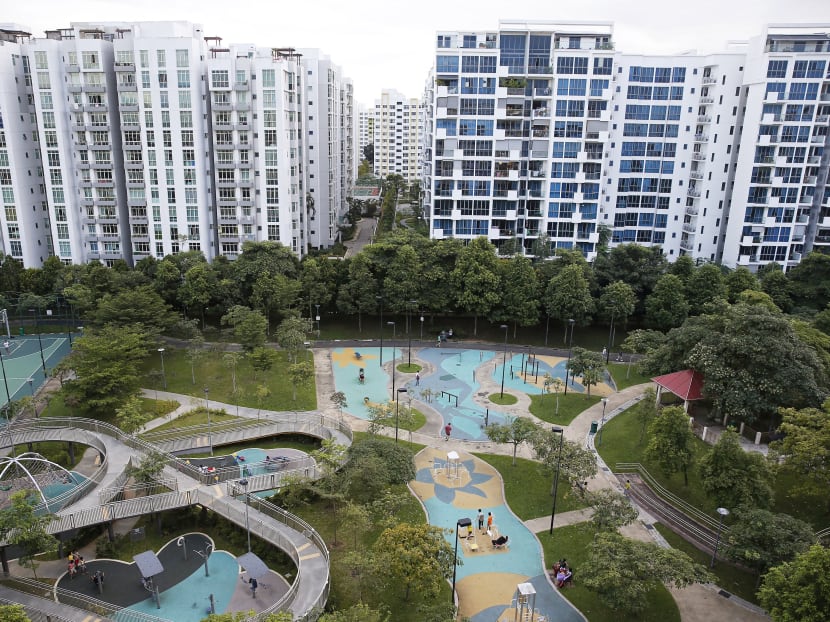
(722, 512)
(317, 317)
(604, 401)
(409, 331)
(210, 433)
(380, 300)
(561, 433)
(394, 354)
(610, 335)
(504, 358)
(454, 565)
(244, 484)
(422, 326)
(163, 375)
(570, 346)
(39, 341)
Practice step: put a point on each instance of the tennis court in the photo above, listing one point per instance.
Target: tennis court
(22, 361)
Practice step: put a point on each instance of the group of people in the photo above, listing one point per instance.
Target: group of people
(76, 564)
(563, 575)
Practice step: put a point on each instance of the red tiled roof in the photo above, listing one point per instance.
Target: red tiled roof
(686, 384)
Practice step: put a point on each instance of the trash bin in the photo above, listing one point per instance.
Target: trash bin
(22, 331)
(593, 427)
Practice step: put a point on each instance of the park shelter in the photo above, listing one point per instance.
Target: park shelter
(686, 384)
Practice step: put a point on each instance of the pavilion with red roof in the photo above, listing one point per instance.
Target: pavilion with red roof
(686, 384)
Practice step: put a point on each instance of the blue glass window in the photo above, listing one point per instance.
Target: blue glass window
(469, 64)
(487, 64)
(446, 64)
(512, 48)
(602, 66)
(662, 74)
(446, 124)
(678, 74)
(597, 87)
(538, 53)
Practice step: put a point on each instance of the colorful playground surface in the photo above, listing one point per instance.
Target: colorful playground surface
(453, 489)
(184, 588)
(24, 360)
(453, 388)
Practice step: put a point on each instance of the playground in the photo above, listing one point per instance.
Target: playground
(185, 584)
(26, 362)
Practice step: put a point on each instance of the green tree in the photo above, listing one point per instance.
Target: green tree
(516, 431)
(130, 416)
(198, 289)
(139, 306)
(241, 616)
(339, 400)
(799, 591)
(416, 557)
(589, 365)
(734, 477)
(291, 335)
(810, 281)
(402, 282)
(195, 354)
(476, 279)
(578, 464)
(611, 510)
(670, 442)
(637, 265)
(148, 470)
(262, 359)
(666, 307)
(704, 285)
(556, 385)
(356, 613)
(301, 375)
(13, 613)
(262, 258)
(106, 364)
(261, 393)
(568, 296)
(20, 526)
(806, 445)
(317, 285)
(519, 302)
(624, 571)
(249, 326)
(775, 283)
(618, 301)
(274, 292)
(761, 540)
(357, 295)
(739, 280)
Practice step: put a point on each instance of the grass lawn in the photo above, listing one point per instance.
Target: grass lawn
(197, 416)
(158, 408)
(503, 400)
(624, 378)
(418, 421)
(211, 372)
(731, 578)
(528, 489)
(570, 405)
(572, 543)
(408, 368)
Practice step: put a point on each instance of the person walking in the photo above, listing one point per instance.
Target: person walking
(489, 522)
(254, 585)
(480, 520)
(447, 431)
(417, 379)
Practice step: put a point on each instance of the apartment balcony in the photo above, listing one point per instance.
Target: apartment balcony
(818, 140)
(73, 88)
(222, 105)
(136, 202)
(805, 200)
(693, 193)
(129, 107)
(241, 126)
(125, 66)
(701, 138)
(443, 91)
(540, 113)
(825, 97)
(73, 68)
(101, 107)
(100, 147)
(542, 91)
(745, 260)
(538, 71)
(689, 227)
(822, 118)
(540, 133)
(692, 210)
(814, 160)
(241, 85)
(537, 174)
(127, 87)
(82, 165)
(243, 106)
(133, 164)
(709, 80)
(696, 175)
(687, 242)
(704, 118)
(700, 157)
(811, 180)
(769, 119)
(227, 126)
(94, 88)
(707, 100)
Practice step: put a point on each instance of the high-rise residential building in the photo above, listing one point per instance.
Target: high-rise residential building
(365, 130)
(24, 219)
(331, 150)
(539, 133)
(130, 140)
(398, 128)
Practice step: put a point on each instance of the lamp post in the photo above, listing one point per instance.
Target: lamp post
(397, 405)
(394, 334)
(380, 300)
(610, 333)
(163, 375)
(461, 522)
(422, 326)
(504, 358)
(723, 512)
(409, 332)
(561, 433)
(207, 410)
(317, 317)
(244, 484)
(39, 341)
(604, 401)
(5, 381)
(571, 323)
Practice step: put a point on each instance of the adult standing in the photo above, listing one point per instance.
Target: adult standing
(447, 431)
(480, 520)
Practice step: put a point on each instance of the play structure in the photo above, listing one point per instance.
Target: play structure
(31, 471)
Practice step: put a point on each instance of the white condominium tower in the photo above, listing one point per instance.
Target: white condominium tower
(331, 150)
(365, 130)
(538, 134)
(398, 126)
(121, 141)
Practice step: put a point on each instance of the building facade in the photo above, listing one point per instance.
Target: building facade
(538, 135)
(398, 129)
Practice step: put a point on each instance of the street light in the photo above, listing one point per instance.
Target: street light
(462, 522)
(409, 332)
(504, 358)
(422, 326)
(394, 354)
(570, 346)
(244, 484)
(163, 375)
(40, 342)
(207, 410)
(317, 317)
(610, 333)
(561, 433)
(397, 405)
(723, 512)
(31, 382)
(380, 300)
(604, 401)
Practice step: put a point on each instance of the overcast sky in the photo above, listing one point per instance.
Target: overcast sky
(389, 43)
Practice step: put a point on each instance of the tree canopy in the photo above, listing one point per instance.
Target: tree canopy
(799, 591)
